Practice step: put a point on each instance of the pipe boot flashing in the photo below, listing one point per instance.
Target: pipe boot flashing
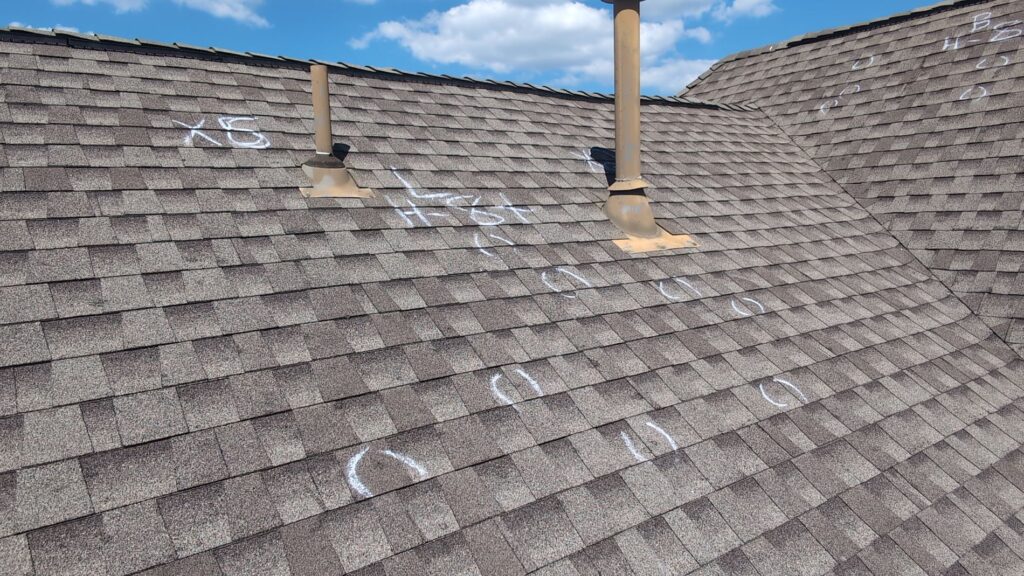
(328, 173)
(628, 206)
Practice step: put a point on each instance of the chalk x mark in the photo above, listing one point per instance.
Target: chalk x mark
(668, 437)
(195, 131)
(628, 441)
(588, 159)
(507, 205)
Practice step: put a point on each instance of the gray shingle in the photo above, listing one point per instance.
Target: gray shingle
(25, 303)
(149, 416)
(15, 555)
(84, 336)
(135, 538)
(44, 495)
(72, 548)
(129, 475)
(22, 344)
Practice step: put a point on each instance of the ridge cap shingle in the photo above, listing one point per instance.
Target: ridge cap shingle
(12, 34)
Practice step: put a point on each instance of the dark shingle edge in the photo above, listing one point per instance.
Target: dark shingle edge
(103, 42)
(829, 33)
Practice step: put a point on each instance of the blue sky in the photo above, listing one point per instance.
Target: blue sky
(557, 42)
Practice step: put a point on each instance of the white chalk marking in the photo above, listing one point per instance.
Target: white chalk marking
(413, 210)
(967, 94)
(476, 241)
(826, 106)
(668, 437)
(855, 88)
(499, 395)
(353, 476)
(195, 131)
(981, 21)
(551, 286)
(1002, 33)
(228, 123)
(594, 165)
(505, 240)
(583, 280)
(954, 45)
(749, 311)
(755, 303)
(529, 380)
(737, 309)
(547, 282)
(507, 205)
(690, 286)
(982, 64)
(631, 447)
(661, 288)
(768, 398)
(412, 190)
(792, 387)
(420, 471)
(665, 292)
(857, 64)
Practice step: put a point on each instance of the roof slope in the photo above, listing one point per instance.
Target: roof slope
(922, 121)
(202, 372)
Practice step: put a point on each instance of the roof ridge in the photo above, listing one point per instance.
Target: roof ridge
(828, 33)
(76, 39)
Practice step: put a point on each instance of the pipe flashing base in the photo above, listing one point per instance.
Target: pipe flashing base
(331, 179)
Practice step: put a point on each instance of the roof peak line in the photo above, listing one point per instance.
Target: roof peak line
(102, 41)
(899, 17)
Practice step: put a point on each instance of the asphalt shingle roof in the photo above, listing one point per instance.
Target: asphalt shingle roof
(920, 119)
(203, 372)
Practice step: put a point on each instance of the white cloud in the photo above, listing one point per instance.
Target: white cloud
(531, 36)
(241, 10)
(671, 76)
(119, 5)
(752, 8)
(667, 9)
(58, 27)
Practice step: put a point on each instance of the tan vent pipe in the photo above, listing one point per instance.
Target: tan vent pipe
(321, 110)
(327, 172)
(627, 206)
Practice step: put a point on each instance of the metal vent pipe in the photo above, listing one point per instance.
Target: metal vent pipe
(627, 96)
(326, 171)
(627, 206)
(321, 110)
